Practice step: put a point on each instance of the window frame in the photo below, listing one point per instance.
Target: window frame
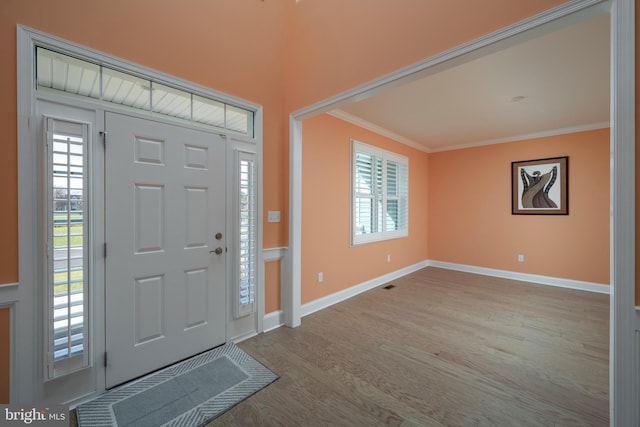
(239, 309)
(385, 156)
(236, 118)
(66, 365)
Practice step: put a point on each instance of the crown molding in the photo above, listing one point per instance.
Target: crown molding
(355, 120)
(534, 135)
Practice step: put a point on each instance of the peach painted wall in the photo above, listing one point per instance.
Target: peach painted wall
(5, 355)
(326, 196)
(272, 288)
(470, 220)
(234, 46)
(337, 44)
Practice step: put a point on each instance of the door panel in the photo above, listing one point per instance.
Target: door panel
(165, 283)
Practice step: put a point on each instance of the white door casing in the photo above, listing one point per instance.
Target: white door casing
(165, 283)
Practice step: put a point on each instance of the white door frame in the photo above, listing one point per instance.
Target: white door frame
(624, 372)
(26, 352)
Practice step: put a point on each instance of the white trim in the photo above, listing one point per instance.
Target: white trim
(274, 254)
(355, 120)
(524, 277)
(364, 124)
(8, 294)
(542, 134)
(292, 277)
(329, 300)
(623, 359)
(27, 313)
(273, 321)
(243, 337)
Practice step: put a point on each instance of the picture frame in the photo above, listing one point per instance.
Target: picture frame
(540, 187)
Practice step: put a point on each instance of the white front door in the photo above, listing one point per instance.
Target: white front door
(165, 264)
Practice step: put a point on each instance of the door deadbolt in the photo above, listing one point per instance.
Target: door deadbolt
(218, 236)
(217, 251)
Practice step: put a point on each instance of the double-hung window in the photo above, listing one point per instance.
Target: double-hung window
(380, 194)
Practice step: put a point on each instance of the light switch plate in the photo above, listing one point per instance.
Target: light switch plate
(273, 216)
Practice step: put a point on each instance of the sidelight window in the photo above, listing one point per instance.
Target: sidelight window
(67, 243)
(246, 217)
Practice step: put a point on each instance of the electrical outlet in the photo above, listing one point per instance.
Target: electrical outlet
(520, 258)
(320, 277)
(389, 258)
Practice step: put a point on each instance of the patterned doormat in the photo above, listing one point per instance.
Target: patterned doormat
(189, 393)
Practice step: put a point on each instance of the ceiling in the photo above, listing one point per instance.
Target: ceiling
(553, 81)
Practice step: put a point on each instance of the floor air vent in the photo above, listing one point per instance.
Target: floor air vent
(389, 286)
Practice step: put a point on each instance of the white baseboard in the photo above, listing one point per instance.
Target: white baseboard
(345, 294)
(276, 319)
(243, 337)
(524, 277)
(273, 321)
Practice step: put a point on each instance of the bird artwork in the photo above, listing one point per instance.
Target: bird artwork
(535, 192)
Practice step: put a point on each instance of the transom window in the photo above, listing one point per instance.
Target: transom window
(380, 194)
(60, 72)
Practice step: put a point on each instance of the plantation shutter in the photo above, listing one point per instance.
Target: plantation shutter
(246, 216)
(397, 196)
(380, 198)
(67, 272)
(368, 193)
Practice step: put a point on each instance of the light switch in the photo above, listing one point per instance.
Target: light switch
(273, 216)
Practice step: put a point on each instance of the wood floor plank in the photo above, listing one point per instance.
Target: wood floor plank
(442, 348)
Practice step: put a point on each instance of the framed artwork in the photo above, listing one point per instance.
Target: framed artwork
(540, 187)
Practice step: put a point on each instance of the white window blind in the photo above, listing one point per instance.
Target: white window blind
(67, 246)
(246, 217)
(380, 194)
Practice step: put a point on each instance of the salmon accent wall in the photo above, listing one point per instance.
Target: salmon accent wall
(272, 288)
(283, 54)
(326, 195)
(337, 45)
(236, 47)
(5, 355)
(470, 220)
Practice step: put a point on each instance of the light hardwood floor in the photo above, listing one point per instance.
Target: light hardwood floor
(441, 348)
